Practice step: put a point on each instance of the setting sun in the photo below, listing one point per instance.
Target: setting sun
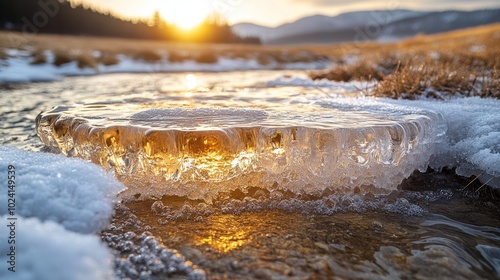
(186, 14)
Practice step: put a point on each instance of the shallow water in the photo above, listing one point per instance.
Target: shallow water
(427, 228)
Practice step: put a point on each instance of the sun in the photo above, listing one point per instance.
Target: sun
(185, 14)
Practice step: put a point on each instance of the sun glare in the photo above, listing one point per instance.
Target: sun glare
(185, 14)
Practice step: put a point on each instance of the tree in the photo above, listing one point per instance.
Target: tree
(158, 21)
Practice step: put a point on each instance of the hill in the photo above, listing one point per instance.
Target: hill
(384, 25)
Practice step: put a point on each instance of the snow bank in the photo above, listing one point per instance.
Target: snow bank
(18, 67)
(45, 250)
(74, 193)
(472, 142)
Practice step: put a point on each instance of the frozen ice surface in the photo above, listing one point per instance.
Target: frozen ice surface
(47, 251)
(178, 146)
(74, 193)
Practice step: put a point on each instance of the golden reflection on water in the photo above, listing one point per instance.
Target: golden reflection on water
(191, 81)
(227, 234)
(224, 244)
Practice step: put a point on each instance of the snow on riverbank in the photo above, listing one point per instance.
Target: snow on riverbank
(45, 250)
(59, 204)
(472, 142)
(76, 194)
(18, 67)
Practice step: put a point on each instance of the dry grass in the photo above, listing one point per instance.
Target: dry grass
(207, 57)
(360, 71)
(39, 57)
(86, 60)
(465, 62)
(61, 58)
(177, 57)
(429, 77)
(149, 56)
(107, 59)
(83, 60)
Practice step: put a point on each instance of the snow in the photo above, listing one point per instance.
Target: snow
(18, 67)
(47, 251)
(60, 203)
(74, 193)
(472, 142)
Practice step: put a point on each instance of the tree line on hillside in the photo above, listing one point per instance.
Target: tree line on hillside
(64, 17)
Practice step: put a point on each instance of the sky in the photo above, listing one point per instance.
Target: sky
(268, 12)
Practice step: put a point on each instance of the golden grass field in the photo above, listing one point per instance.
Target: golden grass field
(465, 62)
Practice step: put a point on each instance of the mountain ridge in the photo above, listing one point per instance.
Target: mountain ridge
(382, 25)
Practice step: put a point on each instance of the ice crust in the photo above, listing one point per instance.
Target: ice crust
(202, 152)
(47, 251)
(76, 194)
(472, 142)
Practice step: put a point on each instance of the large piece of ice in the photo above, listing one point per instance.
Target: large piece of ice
(47, 251)
(200, 146)
(74, 193)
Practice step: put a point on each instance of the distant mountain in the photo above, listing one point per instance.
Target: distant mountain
(367, 25)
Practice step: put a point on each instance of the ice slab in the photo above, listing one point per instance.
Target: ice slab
(45, 250)
(76, 194)
(178, 146)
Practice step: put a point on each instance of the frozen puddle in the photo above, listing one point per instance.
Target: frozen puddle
(197, 147)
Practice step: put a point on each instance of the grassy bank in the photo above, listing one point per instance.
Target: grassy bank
(465, 62)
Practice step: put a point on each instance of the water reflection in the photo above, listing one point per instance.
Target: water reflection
(224, 233)
(191, 82)
(370, 244)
